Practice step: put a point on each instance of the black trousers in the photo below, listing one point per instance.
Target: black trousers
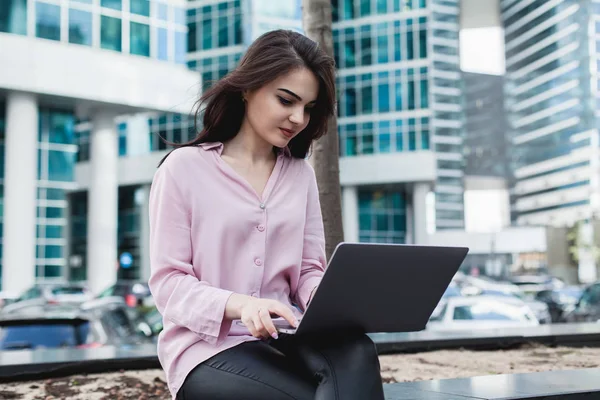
(344, 367)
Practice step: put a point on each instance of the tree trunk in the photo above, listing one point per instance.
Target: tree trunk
(316, 20)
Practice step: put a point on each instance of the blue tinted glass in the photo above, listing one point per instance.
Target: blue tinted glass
(13, 16)
(223, 32)
(139, 38)
(54, 231)
(163, 50)
(47, 24)
(114, 4)
(206, 34)
(61, 128)
(424, 93)
(384, 97)
(381, 6)
(180, 47)
(192, 39)
(80, 27)
(61, 165)
(382, 48)
(140, 7)
(53, 252)
(365, 8)
(425, 140)
(163, 11)
(423, 44)
(110, 33)
(179, 15)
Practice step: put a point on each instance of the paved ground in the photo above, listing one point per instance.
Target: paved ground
(150, 384)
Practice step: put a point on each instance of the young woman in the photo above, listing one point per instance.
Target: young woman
(236, 234)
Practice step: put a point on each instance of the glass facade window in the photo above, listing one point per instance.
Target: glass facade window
(13, 16)
(219, 25)
(140, 7)
(56, 164)
(80, 27)
(382, 216)
(77, 262)
(139, 39)
(47, 24)
(128, 228)
(163, 44)
(114, 4)
(110, 33)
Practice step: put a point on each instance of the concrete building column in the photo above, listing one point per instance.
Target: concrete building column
(20, 197)
(350, 213)
(419, 207)
(145, 233)
(102, 258)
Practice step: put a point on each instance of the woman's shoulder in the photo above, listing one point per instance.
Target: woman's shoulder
(183, 158)
(302, 166)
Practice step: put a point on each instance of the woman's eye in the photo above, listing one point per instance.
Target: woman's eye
(285, 102)
(309, 109)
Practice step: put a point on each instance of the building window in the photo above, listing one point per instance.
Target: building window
(140, 7)
(47, 21)
(114, 4)
(80, 27)
(180, 47)
(382, 216)
(163, 44)
(139, 39)
(13, 16)
(110, 33)
(56, 163)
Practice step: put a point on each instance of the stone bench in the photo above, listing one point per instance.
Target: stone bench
(570, 384)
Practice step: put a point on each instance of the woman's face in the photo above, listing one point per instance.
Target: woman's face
(281, 109)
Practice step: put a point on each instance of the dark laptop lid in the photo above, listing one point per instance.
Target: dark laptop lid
(381, 287)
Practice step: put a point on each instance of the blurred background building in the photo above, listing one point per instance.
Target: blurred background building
(429, 153)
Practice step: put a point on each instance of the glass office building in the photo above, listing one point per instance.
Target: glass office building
(60, 60)
(551, 99)
(400, 92)
(145, 28)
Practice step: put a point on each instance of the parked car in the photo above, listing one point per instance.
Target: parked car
(481, 312)
(587, 308)
(534, 284)
(53, 293)
(93, 324)
(135, 293)
(560, 301)
(7, 298)
(453, 290)
(539, 308)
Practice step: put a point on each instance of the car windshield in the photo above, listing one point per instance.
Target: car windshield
(30, 336)
(489, 312)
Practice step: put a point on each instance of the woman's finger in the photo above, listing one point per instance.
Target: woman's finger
(258, 324)
(267, 322)
(250, 325)
(286, 313)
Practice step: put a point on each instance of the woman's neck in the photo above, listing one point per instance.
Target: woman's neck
(248, 147)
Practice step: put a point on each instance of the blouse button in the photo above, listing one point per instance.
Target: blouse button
(262, 206)
(260, 228)
(258, 262)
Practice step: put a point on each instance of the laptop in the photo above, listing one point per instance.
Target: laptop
(378, 288)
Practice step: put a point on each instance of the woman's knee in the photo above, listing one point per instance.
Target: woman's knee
(362, 349)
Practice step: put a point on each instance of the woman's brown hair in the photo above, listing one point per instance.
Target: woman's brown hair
(270, 56)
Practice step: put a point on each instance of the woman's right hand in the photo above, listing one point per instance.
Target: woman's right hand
(256, 313)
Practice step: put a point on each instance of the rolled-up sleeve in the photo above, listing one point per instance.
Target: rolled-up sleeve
(179, 293)
(313, 251)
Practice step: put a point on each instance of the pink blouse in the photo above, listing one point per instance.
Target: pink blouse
(211, 235)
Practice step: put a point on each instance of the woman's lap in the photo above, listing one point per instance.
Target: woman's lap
(249, 371)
